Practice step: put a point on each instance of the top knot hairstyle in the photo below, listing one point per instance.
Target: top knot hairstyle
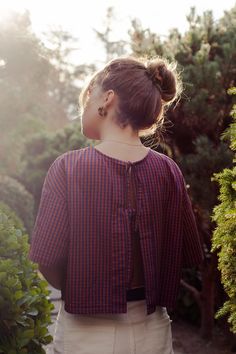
(144, 88)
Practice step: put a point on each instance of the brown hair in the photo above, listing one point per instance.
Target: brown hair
(144, 88)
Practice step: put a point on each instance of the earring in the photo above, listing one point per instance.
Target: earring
(102, 111)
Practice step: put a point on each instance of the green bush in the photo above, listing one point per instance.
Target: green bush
(18, 199)
(224, 236)
(18, 223)
(25, 309)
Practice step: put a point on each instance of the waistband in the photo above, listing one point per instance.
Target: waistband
(135, 294)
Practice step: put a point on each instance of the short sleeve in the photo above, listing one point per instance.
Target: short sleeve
(49, 240)
(192, 248)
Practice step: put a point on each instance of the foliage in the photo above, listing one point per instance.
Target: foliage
(38, 86)
(199, 166)
(66, 75)
(15, 196)
(25, 310)
(18, 223)
(25, 105)
(113, 48)
(224, 235)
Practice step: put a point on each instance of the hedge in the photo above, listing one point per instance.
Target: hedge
(25, 307)
(18, 199)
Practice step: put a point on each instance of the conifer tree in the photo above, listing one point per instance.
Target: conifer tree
(224, 235)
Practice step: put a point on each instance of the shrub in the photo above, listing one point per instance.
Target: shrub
(224, 236)
(18, 199)
(4, 208)
(25, 309)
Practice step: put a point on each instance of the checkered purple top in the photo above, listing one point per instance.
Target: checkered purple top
(83, 221)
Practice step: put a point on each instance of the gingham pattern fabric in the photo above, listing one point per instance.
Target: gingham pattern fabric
(83, 222)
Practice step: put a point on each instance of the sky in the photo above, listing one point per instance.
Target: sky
(81, 17)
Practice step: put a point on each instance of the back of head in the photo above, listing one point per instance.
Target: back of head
(143, 86)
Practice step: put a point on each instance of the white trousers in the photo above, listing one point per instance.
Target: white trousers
(133, 332)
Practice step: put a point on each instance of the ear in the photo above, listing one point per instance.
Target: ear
(109, 97)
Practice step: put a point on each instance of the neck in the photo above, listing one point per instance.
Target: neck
(115, 140)
(114, 133)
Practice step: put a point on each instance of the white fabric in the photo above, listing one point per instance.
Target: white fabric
(133, 332)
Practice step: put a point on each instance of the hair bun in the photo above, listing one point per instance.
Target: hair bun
(164, 77)
(156, 72)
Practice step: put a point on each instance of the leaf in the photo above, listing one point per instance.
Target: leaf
(33, 312)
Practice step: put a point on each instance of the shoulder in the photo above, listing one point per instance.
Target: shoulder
(169, 164)
(68, 157)
(56, 176)
(171, 171)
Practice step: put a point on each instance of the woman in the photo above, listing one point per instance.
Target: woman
(115, 224)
